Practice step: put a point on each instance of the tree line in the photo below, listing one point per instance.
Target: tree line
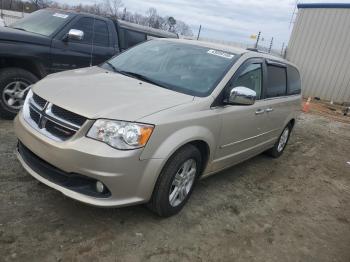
(109, 8)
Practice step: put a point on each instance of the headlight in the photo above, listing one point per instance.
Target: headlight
(120, 134)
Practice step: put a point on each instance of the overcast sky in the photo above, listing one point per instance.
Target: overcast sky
(231, 20)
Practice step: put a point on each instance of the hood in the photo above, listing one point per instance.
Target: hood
(97, 93)
(16, 35)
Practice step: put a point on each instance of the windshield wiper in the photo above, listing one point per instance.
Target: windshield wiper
(112, 66)
(139, 77)
(136, 75)
(20, 28)
(143, 78)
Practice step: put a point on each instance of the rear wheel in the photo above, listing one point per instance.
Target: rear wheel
(176, 181)
(281, 143)
(14, 83)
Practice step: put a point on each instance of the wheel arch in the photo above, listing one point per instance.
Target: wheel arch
(23, 63)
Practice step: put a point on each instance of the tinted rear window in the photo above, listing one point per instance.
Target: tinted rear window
(101, 33)
(276, 81)
(133, 38)
(294, 82)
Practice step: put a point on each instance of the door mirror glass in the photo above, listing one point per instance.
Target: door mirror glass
(75, 34)
(241, 95)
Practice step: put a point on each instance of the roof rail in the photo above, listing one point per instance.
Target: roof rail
(257, 50)
(252, 49)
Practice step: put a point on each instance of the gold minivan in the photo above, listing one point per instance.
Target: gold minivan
(144, 126)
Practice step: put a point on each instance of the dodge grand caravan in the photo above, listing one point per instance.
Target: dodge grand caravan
(144, 126)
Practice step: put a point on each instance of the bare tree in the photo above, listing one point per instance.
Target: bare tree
(152, 16)
(112, 7)
(182, 28)
(171, 23)
(41, 3)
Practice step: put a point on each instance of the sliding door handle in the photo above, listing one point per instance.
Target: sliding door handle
(259, 111)
(268, 109)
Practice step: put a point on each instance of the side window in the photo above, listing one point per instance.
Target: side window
(251, 77)
(101, 33)
(84, 24)
(276, 81)
(134, 38)
(294, 82)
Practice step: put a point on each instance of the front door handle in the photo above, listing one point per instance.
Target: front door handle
(259, 111)
(268, 109)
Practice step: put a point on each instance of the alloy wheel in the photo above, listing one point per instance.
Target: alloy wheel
(283, 139)
(183, 182)
(13, 94)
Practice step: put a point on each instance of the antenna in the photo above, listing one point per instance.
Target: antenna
(92, 40)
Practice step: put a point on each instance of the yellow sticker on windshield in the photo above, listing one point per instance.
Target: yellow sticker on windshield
(220, 53)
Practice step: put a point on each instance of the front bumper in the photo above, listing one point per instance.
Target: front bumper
(129, 180)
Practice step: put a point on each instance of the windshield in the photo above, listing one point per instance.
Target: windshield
(43, 22)
(185, 68)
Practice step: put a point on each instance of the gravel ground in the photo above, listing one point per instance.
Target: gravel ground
(295, 208)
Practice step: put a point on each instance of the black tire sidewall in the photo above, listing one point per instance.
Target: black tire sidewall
(274, 152)
(160, 198)
(6, 77)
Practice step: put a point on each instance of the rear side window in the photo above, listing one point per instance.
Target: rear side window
(101, 33)
(276, 81)
(134, 38)
(294, 82)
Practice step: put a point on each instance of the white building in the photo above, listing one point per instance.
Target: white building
(320, 46)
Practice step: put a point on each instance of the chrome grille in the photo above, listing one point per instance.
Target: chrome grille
(51, 120)
(67, 115)
(40, 102)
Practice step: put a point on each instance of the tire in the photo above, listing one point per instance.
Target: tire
(171, 174)
(277, 150)
(12, 82)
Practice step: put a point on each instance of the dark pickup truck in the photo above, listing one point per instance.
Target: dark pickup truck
(49, 41)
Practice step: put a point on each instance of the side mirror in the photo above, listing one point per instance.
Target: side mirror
(241, 96)
(75, 34)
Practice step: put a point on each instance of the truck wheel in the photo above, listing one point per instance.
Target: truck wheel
(13, 84)
(176, 181)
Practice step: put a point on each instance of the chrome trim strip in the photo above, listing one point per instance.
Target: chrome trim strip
(34, 104)
(249, 138)
(60, 124)
(43, 131)
(48, 112)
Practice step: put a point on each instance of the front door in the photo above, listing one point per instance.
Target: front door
(71, 54)
(244, 131)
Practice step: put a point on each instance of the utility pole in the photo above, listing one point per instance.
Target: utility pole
(282, 49)
(294, 11)
(257, 40)
(271, 43)
(199, 31)
(2, 7)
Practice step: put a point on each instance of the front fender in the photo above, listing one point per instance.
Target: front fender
(164, 148)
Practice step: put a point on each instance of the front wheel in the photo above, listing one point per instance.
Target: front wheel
(176, 181)
(14, 83)
(281, 143)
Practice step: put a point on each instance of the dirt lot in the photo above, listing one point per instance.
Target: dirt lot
(296, 208)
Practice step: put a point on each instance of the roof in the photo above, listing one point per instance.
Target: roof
(228, 48)
(147, 29)
(324, 5)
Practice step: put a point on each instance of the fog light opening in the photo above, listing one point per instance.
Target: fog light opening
(100, 187)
